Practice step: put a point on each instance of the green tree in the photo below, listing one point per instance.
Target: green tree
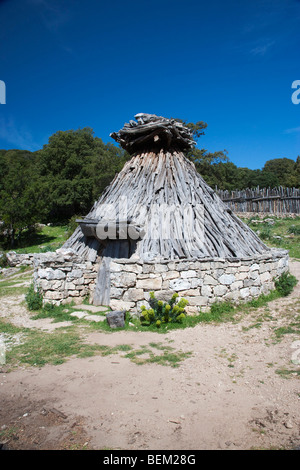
(22, 202)
(75, 167)
(209, 164)
(283, 169)
(297, 172)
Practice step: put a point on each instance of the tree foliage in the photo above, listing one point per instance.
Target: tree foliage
(75, 167)
(22, 201)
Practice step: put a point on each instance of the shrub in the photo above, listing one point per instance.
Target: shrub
(285, 284)
(34, 298)
(163, 312)
(295, 229)
(3, 260)
(72, 225)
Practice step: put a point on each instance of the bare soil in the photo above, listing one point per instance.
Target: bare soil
(227, 395)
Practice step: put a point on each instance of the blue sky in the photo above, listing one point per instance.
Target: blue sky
(69, 64)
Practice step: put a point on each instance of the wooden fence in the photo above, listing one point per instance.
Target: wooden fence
(279, 200)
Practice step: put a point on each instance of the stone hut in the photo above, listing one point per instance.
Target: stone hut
(159, 227)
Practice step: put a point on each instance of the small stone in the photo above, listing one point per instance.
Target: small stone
(116, 319)
(288, 424)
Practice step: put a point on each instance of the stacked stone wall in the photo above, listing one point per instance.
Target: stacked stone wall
(200, 282)
(63, 277)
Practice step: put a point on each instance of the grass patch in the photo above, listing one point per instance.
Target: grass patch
(45, 238)
(286, 373)
(7, 328)
(292, 328)
(58, 313)
(283, 233)
(169, 357)
(41, 348)
(9, 291)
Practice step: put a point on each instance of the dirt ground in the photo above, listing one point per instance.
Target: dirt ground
(227, 395)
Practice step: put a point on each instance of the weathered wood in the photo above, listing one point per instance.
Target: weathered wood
(156, 190)
(153, 131)
(101, 294)
(280, 200)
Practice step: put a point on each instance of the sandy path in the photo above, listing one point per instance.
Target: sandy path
(227, 395)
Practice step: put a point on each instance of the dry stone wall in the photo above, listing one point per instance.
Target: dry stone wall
(63, 277)
(19, 259)
(200, 282)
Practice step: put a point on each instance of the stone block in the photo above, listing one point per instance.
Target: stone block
(191, 310)
(254, 267)
(265, 276)
(73, 293)
(75, 273)
(244, 293)
(179, 284)
(132, 268)
(133, 295)
(51, 274)
(116, 304)
(240, 276)
(149, 284)
(255, 291)
(236, 285)
(116, 319)
(198, 300)
(182, 266)
(210, 280)
(227, 279)
(165, 295)
(148, 268)
(116, 292)
(70, 286)
(190, 292)
(53, 295)
(220, 290)
(161, 268)
(195, 282)
(115, 267)
(206, 291)
(189, 273)
(253, 274)
(123, 279)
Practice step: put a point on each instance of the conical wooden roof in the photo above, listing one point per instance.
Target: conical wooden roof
(160, 195)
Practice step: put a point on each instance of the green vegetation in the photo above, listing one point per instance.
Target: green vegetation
(42, 238)
(54, 183)
(278, 232)
(12, 287)
(226, 311)
(285, 284)
(39, 348)
(34, 298)
(168, 356)
(161, 313)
